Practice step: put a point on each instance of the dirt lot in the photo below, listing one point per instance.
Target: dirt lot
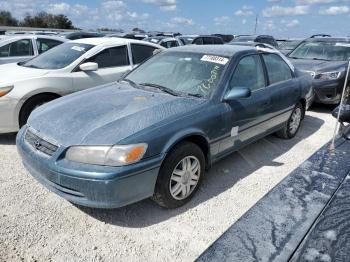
(36, 225)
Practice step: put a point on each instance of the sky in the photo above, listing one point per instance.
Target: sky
(281, 18)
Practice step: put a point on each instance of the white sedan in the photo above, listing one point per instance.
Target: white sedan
(67, 68)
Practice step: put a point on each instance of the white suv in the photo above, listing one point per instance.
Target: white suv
(67, 68)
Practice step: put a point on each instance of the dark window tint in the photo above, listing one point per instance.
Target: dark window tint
(141, 52)
(111, 57)
(249, 73)
(208, 41)
(218, 41)
(277, 68)
(46, 44)
(198, 41)
(170, 44)
(19, 48)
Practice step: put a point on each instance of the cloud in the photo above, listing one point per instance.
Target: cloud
(110, 13)
(181, 21)
(222, 20)
(243, 12)
(277, 10)
(315, 2)
(165, 5)
(293, 23)
(335, 10)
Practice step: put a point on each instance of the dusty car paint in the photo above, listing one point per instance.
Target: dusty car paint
(308, 220)
(120, 114)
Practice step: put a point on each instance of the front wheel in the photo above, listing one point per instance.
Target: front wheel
(292, 126)
(180, 175)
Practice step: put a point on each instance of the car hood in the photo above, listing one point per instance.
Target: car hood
(106, 115)
(317, 65)
(11, 73)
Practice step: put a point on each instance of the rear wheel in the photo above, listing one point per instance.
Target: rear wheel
(31, 104)
(293, 124)
(180, 175)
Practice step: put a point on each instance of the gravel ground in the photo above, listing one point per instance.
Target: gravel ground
(36, 225)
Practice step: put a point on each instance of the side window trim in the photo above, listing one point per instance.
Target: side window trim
(268, 83)
(108, 47)
(32, 47)
(235, 68)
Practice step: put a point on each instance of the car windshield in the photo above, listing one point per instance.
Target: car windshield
(186, 40)
(181, 72)
(244, 39)
(59, 57)
(288, 45)
(331, 51)
(153, 40)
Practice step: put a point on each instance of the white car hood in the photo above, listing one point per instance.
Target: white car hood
(11, 73)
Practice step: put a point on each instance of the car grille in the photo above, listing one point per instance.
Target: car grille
(39, 143)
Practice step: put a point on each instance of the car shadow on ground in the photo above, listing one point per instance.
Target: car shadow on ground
(221, 177)
(8, 139)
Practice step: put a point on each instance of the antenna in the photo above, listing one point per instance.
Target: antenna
(256, 24)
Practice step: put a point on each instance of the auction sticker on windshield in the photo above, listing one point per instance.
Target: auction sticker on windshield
(343, 44)
(215, 59)
(78, 48)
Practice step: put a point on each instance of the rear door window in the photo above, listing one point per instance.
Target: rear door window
(21, 47)
(277, 68)
(249, 73)
(141, 53)
(218, 41)
(111, 57)
(198, 41)
(45, 44)
(208, 41)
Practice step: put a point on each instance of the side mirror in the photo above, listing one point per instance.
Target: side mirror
(89, 66)
(236, 93)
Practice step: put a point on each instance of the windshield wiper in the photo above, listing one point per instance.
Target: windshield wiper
(196, 95)
(315, 58)
(132, 83)
(162, 88)
(293, 57)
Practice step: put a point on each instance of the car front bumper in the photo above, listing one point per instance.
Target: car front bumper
(328, 91)
(88, 185)
(8, 115)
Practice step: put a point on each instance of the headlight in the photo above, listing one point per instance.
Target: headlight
(118, 155)
(329, 75)
(312, 73)
(5, 90)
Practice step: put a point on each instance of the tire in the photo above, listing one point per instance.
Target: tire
(174, 190)
(31, 104)
(292, 126)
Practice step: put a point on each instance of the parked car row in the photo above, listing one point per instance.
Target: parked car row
(155, 131)
(70, 67)
(148, 123)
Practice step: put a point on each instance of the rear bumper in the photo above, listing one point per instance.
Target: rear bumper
(98, 187)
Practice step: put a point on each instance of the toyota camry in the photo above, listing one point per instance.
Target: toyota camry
(156, 131)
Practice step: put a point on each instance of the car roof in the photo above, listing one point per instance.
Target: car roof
(221, 50)
(328, 39)
(211, 36)
(110, 40)
(8, 38)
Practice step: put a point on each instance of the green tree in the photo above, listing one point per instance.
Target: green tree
(45, 20)
(6, 19)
